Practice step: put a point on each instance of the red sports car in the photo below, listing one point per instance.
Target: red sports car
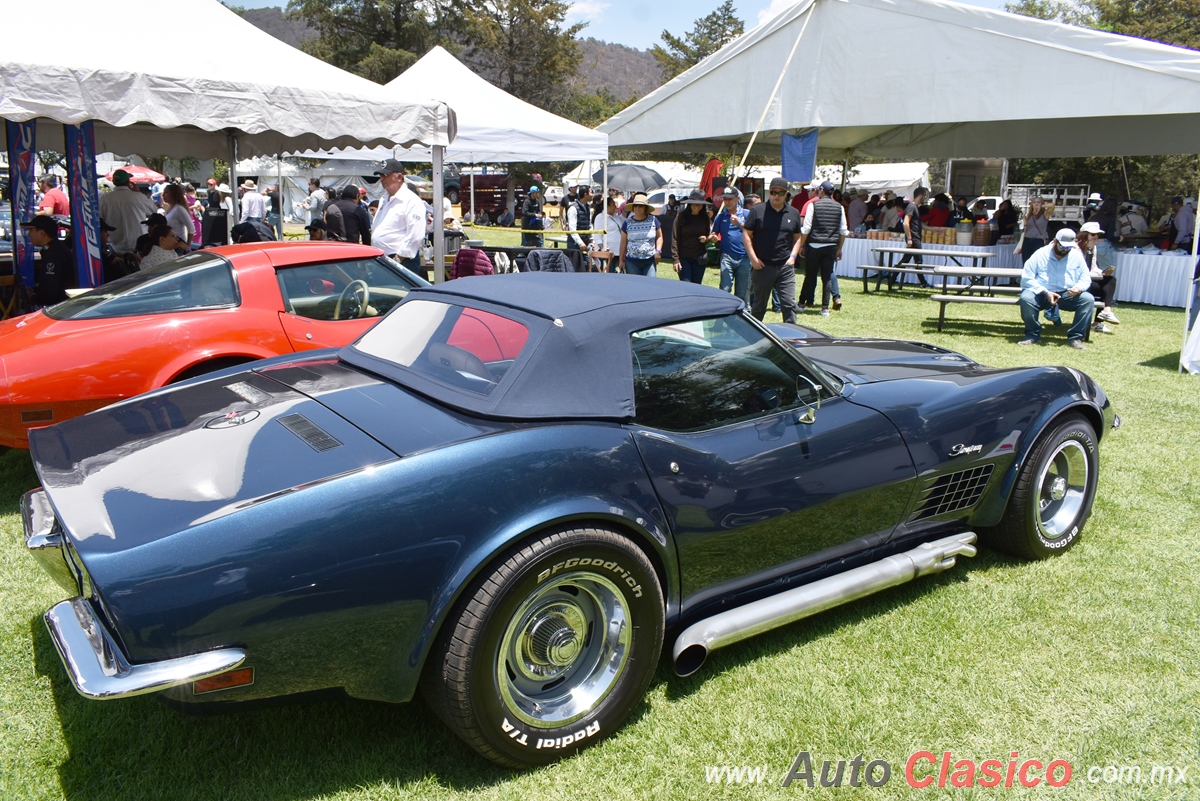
(203, 312)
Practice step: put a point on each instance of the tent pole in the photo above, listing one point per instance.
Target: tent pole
(1192, 288)
(604, 211)
(845, 173)
(279, 190)
(778, 83)
(1004, 179)
(474, 214)
(233, 183)
(439, 221)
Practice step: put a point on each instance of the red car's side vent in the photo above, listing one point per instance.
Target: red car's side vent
(952, 492)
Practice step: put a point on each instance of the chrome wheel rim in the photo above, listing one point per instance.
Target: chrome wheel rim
(564, 650)
(1062, 490)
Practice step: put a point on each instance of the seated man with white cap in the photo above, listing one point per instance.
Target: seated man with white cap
(1057, 275)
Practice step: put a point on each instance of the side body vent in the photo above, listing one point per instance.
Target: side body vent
(315, 436)
(952, 492)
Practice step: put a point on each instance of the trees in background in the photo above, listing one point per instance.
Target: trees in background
(708, 35)
(378, 39)
(1149, 178)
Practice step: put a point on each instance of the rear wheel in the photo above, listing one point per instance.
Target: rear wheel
(1053, 495)
(452, 195)
(551, 650)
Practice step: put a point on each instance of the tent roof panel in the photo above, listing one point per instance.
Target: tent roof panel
(282, 100)
(924, 107)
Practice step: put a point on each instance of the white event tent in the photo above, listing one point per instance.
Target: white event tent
(243, 85)
(886, 78)
(245, 94)
(493, 126)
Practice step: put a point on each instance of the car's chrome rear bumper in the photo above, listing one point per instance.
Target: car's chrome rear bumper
(99, 669)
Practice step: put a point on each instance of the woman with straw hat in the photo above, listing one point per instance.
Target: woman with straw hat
(641, 238)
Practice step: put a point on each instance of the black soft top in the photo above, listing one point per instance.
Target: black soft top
(577, 362)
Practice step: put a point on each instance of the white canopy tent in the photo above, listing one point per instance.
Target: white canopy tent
(493, 126)
(1142, 98)
(251, 95)
(267, 95)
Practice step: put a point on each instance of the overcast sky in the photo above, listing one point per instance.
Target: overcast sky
(640, 23)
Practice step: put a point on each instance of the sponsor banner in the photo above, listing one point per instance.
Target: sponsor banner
(85, 202)
(22, 151)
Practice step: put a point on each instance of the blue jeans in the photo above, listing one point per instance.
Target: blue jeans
(735, 276)
(1082, 304)
(692, 270)
(276, 223)
(641, 267)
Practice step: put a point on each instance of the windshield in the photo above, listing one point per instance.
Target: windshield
(196, 281)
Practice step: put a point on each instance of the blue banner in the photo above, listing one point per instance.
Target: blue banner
(85, 202)
(799, 156)
(22, 152)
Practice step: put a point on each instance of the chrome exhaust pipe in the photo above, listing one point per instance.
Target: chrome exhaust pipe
(693, 645)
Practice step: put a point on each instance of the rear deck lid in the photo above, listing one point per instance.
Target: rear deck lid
(164, 462)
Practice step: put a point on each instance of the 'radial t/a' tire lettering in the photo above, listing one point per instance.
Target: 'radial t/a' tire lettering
(551, 649)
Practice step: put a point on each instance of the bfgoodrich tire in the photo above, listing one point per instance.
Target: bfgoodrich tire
(1053, 495)
(550, 650)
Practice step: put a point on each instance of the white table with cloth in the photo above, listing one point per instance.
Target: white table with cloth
(1161, 280)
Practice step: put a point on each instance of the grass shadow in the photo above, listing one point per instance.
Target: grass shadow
(1168, 362)
(295, 749)
(17, 477)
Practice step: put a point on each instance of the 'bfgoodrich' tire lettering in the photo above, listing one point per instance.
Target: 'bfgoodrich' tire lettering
(550, 648)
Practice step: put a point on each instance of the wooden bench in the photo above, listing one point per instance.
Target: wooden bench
(869, 268)
(961, 288)
(1008, 300)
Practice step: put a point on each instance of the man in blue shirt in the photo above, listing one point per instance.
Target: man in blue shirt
(1057, 275)
(735, 264)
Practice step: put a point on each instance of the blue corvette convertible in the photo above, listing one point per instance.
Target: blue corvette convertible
(507, 495)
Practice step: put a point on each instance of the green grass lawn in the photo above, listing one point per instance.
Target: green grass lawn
(1091, 658)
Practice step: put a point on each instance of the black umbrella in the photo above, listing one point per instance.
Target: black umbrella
(631, 177)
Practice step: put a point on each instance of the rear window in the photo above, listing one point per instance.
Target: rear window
(195, 281)
(469, 349)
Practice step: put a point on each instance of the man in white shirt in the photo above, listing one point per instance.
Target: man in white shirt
(1132, 223)
(399, 226)
(125, 210)
(578, 215)
(254, 205)
(857, 212)
(1185, 222)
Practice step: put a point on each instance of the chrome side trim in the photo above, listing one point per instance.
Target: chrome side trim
(692, 646)
(44, 538)
(99, 670)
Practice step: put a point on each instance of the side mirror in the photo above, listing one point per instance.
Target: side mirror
(809, 415)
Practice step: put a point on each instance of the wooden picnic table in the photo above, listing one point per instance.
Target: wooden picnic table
(978, 259)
